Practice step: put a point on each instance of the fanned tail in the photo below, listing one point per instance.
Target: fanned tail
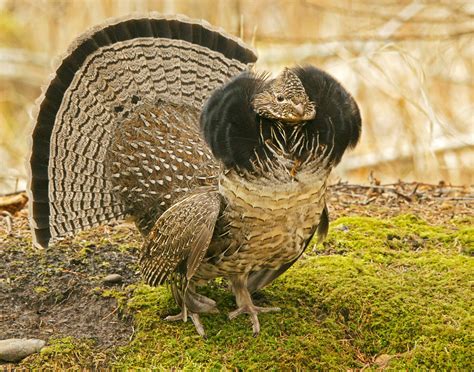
(106, 73)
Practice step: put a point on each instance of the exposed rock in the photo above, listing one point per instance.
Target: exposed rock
(15, 349)
(112, 279)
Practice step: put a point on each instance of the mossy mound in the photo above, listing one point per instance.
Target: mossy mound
(393, 293)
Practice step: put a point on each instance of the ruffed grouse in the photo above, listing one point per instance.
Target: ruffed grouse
(223, 170)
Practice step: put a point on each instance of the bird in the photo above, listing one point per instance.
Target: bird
(223, 169)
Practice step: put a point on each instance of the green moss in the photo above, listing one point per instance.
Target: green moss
(84, 252)
(40, 290)
(404, 235)
(67, 352)
(396, 288)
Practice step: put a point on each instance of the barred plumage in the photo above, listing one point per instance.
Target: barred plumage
(224, 171)
(108, 74)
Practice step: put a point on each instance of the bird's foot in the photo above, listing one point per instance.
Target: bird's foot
(194, 318)
(253, 311)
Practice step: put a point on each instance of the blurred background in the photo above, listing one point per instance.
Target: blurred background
(408, 63)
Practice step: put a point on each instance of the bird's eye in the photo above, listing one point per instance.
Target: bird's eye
(280, 98)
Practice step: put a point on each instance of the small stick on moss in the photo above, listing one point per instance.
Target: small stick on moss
(111, 313)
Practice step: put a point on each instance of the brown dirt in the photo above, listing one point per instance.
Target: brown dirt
(436, 204)
(59, 291)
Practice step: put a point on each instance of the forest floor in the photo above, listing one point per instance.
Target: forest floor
(391, 287)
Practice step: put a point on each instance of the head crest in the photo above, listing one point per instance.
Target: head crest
(284, 99)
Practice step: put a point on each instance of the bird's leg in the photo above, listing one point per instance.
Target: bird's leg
(193, 305)
(245, 304)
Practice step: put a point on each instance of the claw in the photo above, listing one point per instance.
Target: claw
(252, 310)
(194, 318)
(174, 318)
(255, 324)
(198, 325)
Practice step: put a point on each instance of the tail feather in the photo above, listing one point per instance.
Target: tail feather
(107, 72)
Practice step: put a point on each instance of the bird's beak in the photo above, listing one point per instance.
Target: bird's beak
(299, 108)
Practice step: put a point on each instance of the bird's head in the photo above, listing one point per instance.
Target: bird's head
(284, 99)
(302, 111)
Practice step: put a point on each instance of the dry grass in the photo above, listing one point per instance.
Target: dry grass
(409, 64)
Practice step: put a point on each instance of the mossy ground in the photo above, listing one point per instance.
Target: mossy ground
(339, 309)
(390, 292)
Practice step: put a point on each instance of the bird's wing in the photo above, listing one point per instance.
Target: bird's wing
(180, 237)
(261, 278)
